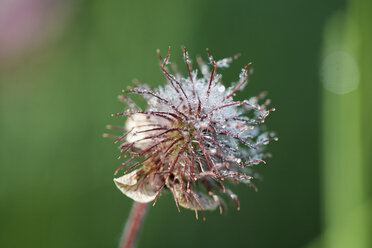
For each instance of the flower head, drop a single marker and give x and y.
(192, 138)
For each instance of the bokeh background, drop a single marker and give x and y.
(62, 64)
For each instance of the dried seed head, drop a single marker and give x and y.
(192, 138)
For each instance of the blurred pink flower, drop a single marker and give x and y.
(26, 24)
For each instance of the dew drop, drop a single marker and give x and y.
(221, 89)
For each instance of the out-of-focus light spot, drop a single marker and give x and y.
(340, 73)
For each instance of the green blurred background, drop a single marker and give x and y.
(62, 64)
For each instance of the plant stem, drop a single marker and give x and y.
(133, 225)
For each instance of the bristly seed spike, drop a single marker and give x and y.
(192, 139)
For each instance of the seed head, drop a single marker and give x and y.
(192, 138)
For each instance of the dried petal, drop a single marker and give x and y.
(129, 184)
(197, 201)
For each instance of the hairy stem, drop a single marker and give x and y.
(133, 225)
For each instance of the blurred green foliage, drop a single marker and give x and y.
(56, 170)
(346, 130)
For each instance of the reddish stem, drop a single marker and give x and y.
(133, 226)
